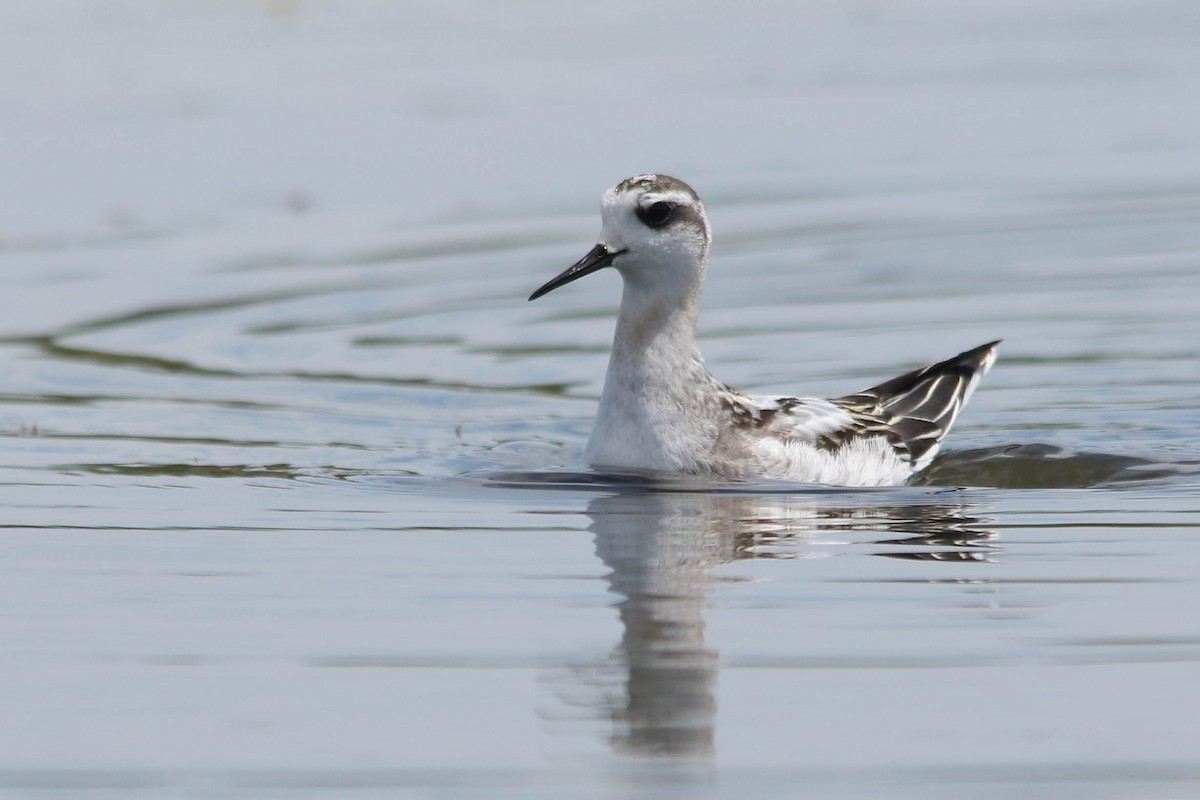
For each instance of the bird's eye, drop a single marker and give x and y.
(656, 214)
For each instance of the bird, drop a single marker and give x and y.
(661, 411)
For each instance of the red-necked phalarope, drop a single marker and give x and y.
(662, 411)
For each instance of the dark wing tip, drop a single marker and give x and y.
(920, 406)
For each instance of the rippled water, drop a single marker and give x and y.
(290, 497)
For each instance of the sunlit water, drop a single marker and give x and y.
(290, 490)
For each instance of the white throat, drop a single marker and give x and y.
(651, 413)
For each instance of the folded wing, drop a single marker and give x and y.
(916, 409)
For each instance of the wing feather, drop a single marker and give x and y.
(919, 407)
(908, 415)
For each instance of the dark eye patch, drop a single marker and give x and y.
(657, 214)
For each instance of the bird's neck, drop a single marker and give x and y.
(654, 408)
(655, 338)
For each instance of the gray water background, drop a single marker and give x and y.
(289, 495)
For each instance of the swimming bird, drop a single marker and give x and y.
(661, 410)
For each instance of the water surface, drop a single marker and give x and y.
(291, 498)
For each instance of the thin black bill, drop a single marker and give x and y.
(599, 258)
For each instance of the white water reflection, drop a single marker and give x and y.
(662, 547)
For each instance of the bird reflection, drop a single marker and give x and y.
(660, 548)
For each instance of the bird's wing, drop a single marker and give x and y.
(918, 407)
(912, 412)
(824, 424)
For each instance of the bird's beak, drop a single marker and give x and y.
(599, 258)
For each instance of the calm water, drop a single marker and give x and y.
(289, 491)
